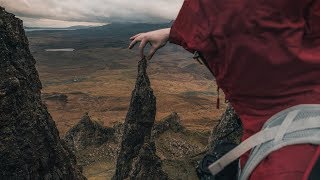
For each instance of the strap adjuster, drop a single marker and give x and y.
(197, 57)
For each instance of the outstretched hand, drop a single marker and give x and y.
(157, 39)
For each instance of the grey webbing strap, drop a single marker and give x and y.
(285, 125)
(263, 136)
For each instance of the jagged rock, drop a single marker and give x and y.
(30, 146)
(148, 165)
(138, 124)
(88, 133)
(171, 122)
(229, 129)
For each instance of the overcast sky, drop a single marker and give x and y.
(64, 13)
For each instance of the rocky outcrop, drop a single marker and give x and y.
(88, 133)
(171, 122)
(30, 146)
(229, 129)
(137, 128)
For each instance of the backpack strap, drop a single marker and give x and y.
(296, 125)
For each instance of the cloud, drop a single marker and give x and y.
(94, 11)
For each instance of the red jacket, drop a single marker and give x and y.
(265, 56)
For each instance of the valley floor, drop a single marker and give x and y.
(99, 80)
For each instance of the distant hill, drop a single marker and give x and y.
(111, 35)
(80, 27)
(56, 29)
(71, 27)
(120, 30)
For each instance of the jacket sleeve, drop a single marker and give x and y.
(192, 27)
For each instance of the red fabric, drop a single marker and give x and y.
(265, 56)
(311, 165)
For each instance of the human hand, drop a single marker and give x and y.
(157, 40)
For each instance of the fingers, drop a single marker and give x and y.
(133, 37)
(134, 42)
(151, 53)
(144, 41)
(142, 46)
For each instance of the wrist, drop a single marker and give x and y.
(167, 32)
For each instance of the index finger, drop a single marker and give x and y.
(134, 42)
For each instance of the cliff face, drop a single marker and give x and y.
(30, 146)
(137, 128)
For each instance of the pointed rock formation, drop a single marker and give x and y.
(229, 129)
(88, 133)
(138, 126)
(30, 146)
